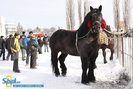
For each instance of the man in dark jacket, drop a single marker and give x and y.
(8, 47)
(23, 49)
(46, 40)
(32, 47)
(26, 40)
(2, 47)
(40, 43)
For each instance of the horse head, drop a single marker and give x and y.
(96, 20)
(92, 21)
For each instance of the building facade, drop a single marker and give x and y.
(2, 26)
(7, 28)
(11, 28)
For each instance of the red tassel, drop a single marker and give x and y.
(89, 24)
(103, 24)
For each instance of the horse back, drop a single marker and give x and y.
(64, 41)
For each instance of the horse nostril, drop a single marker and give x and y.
(93, 27)
(98, 27)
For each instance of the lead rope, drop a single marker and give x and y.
(76, 43)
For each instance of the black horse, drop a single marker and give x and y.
(84, 43)
(109, 46)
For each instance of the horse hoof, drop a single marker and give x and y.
(64, 75)
(57, 75)
(85, 83)
(105, 62)
(111, 59)
(93, 81)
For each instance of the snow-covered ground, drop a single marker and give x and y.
(107, 75)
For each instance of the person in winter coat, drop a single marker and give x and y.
(26, 40)
(40, 43)
(46, 40)
(15, 47)
(8, 47)
(23, 49)
(32, 47)
(2, 47)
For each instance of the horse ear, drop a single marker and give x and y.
(100, 8)
(91, 8)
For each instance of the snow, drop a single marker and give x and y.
(107, 75)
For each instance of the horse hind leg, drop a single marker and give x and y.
(104, 56)
(54, 62)
(112, 51)
(62, 64)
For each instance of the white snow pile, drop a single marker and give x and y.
(108, 76)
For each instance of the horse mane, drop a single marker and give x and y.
(83, 29)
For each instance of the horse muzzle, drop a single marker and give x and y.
(96, 27)
(95, 30)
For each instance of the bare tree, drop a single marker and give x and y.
(37, 30)
(116, 10)
(83, 7)
(127, 13)
(86, 7)
(19, 28)
(70, 14)
(80, 11)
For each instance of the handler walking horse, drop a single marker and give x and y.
(84, 43)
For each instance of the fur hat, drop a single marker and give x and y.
(16, 34)
(10, 35)
(30, 32)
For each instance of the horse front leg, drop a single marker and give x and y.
(84, 70)
(91, 76)
(62, 64)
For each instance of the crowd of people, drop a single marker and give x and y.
(29, 46)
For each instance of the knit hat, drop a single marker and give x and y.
(23, 32)
(10, 35)
(30, 32)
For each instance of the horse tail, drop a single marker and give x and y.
(52, 64)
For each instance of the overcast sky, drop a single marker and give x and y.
(45, 13)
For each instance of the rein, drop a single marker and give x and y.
(76, 43)
(116, 33)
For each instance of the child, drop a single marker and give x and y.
(32, 47)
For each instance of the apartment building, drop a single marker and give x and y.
(7, 28)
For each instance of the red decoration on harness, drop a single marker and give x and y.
(73, 30)
(103, 24)
(89, 24)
